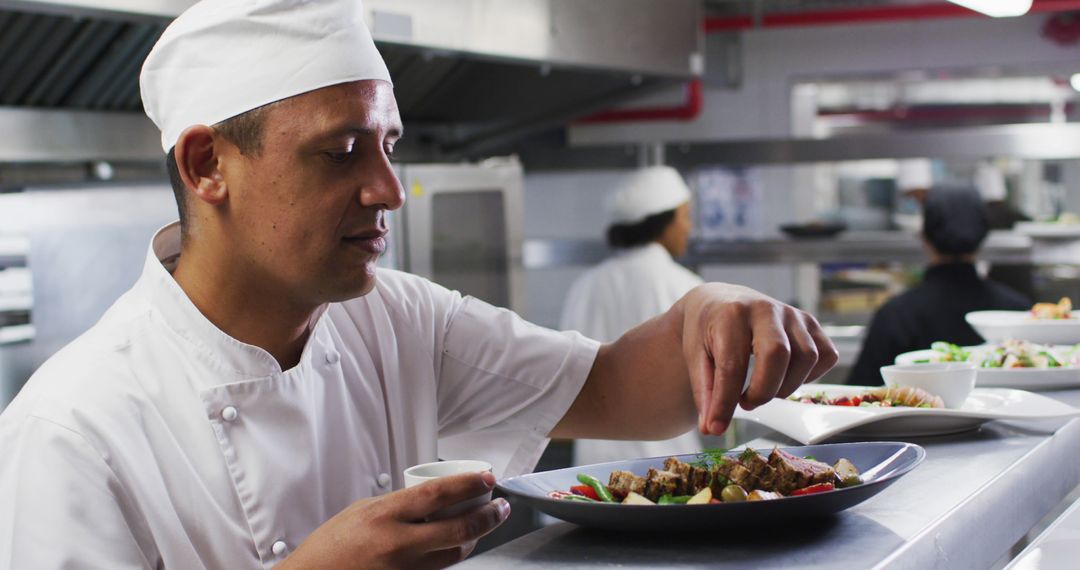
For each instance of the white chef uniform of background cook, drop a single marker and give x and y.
(622, 292)
(156, 440)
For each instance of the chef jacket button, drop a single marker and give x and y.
(332, 358)
(279, 548)
(383, 479)
(229, 413)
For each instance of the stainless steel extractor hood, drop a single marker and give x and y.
(472, 76)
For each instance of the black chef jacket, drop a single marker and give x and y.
(932, 311)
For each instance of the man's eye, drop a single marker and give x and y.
(337, 157)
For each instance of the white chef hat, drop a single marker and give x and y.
(648, 191)
(915, 174)
(990, 182)
(222, 58)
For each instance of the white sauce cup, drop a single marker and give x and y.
(953, 381)
(424, 472)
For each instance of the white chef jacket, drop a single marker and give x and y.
(622, 292)
(156, 440)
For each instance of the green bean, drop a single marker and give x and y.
(676, 500)
(600, 488)
(578, 498)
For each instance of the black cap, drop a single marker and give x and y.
(954, 220)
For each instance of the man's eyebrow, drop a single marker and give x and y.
(394, 132)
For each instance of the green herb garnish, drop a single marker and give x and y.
(709, 458)
(747, 454)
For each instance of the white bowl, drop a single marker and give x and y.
(953, 381)
(425, 472)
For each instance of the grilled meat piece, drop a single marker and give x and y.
(796, 472)
(721, 474)
(752, 471)
(683, 470)
(659, 483)
(700, 477)
(622, 483)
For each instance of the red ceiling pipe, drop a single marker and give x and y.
(688, 111)
(869, 15)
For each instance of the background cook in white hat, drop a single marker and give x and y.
(253, 400)
(649, 223)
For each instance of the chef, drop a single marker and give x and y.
(253, 399)
(649, 225)
(954, 226)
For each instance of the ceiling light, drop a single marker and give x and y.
(1075, 81)
(997, 8)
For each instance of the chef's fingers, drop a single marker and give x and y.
(462, 529)
(828, 356)
(772, 353)
(804, 352)
(728, 342)
(699, 364)
(419, 502)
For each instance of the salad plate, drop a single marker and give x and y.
(880, 464)
(1028, 378)
(1048, 230)
(998, 326)
(814, 423)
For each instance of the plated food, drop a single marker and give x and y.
(715, 477)
(810, 423)
(1015, 366)
(1009, 354)
(880, 464)
(883, 397)
(999, 326)
(1054, 229)
(1060, 310)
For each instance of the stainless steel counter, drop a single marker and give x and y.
(974, 496)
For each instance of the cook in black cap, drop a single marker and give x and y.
(954, 226)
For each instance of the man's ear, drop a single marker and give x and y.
(197, 159)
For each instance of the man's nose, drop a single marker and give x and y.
(383, 191)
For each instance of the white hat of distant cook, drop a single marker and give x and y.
(915, 174)
(990, 181)
(222, 58)
(647, 192)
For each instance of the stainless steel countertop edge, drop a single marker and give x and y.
(1040, 481)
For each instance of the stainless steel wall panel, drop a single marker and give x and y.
(32, 135)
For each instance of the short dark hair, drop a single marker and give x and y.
(954, 220)
(244, 130)
(648, 230)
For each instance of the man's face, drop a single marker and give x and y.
(307, 215)
(680, 229)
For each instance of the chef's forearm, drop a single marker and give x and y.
(638, 387)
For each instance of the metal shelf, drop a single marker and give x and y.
(853, 247)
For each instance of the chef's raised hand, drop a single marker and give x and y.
(390, 531)
(722, 326)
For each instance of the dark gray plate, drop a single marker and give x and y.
(881, 463)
